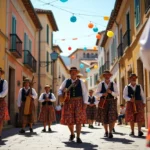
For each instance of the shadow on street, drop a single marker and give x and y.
(85, 146)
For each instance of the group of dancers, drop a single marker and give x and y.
(78, 106)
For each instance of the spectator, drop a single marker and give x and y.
(122, 114)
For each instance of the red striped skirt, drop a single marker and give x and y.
(91, 112)
(73, 112)
(4, 115)
(130, 116)
(26, 119)
(99, 114)
(47, 114)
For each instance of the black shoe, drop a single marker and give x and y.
(113, 130)
(79, 140)
(92, 127)
(131, 134)
(0, 138)
(22, 131)
(89, 126)
(140, 133)
(31, 130)
(83, 125)
(110, 135)
(71, 137)
(49, 130)
(44, 130)
(106, 134)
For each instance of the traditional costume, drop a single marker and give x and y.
(134, 110)
(107, 111)
(23, 93)
(4, 115)
(73, 111)
(91, 110)
(47, 113)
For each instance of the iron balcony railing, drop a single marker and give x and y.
(15, 46)
(29, 61)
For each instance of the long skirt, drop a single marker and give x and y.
(47, 114)
(73, 112)
(26, 119)
(99, 114)
(130, 116)
(4, 115)
(91, 112)
(109, 113)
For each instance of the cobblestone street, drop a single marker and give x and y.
(58, 140)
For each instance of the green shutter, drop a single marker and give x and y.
(13, 42)
(30, 45)
(137, 12)
(47, 37)
(47, 62)
(51, 40)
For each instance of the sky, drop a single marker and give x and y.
(94, 10)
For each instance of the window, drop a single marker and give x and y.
(90, 80)
(47, 69)
(96, 55)
(127, 36)
(13, 42)
(47, 35)
(137, 12)
(30, 45)
(88, 55)
(84, 56)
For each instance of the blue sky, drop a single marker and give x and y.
(79, 29)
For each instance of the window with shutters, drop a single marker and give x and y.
(137, 12)
(13, 42)
(47, 67)
(47, 34)
(30, 46)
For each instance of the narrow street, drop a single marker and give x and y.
(58, 140)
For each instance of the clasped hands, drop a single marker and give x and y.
(47, 99)
(108, 92)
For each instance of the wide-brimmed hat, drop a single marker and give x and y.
(133, 75)
(47, 86)
(26, 80)
(80, 75)
(2, 71)
(73, 69)
(91, 91)
(107, 72)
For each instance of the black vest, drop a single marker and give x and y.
(74, 91)
(24, 94)
(49, 102)
(1, 85)
(104, 90)
(91, 100)
(136, 93)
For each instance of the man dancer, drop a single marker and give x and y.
(91, 109)
(4, 116)
(74, 109)
(108, 91)
(23, 93)
(134, 95)
(47, 114)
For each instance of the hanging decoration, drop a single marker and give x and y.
(95, 29)
(90, 25)
(81, 66)
(110, 34)
(73, 19)
(95, 66)
(69, 48)
(85, 48)
(95, 48)
(88, 70)
(72, 57)
(63, 1)
(106, 18)
(98, 36)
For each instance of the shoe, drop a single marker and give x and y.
(83, 125)
(79, 140)
(31, 130)
(71, 137)
(106, 134)
(140, 133)
(131, 134)
(49, 130)
(92, 127)
(89, 126)
(98, 124)
(110, 135)
(119, 124)
(113, 130)
(22, 131)
(44, 130)
(0, 138)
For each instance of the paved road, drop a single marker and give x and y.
(58, 140)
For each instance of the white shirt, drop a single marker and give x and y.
(5, 89)
(58, 108)
(99, 88)
(91, 98)
(84, 90)
(53, 98)
(122, 111)
(125, 93)
(34, 95)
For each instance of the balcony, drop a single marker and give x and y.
(16, 46)
(29, 61)
(126, 39)
(147, 5)
(107, 65)
(120, 50)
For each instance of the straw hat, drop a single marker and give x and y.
(74, 69)
(133, 75)
(91, 91)
(47, 86)
(26, 80)
(107, 72)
